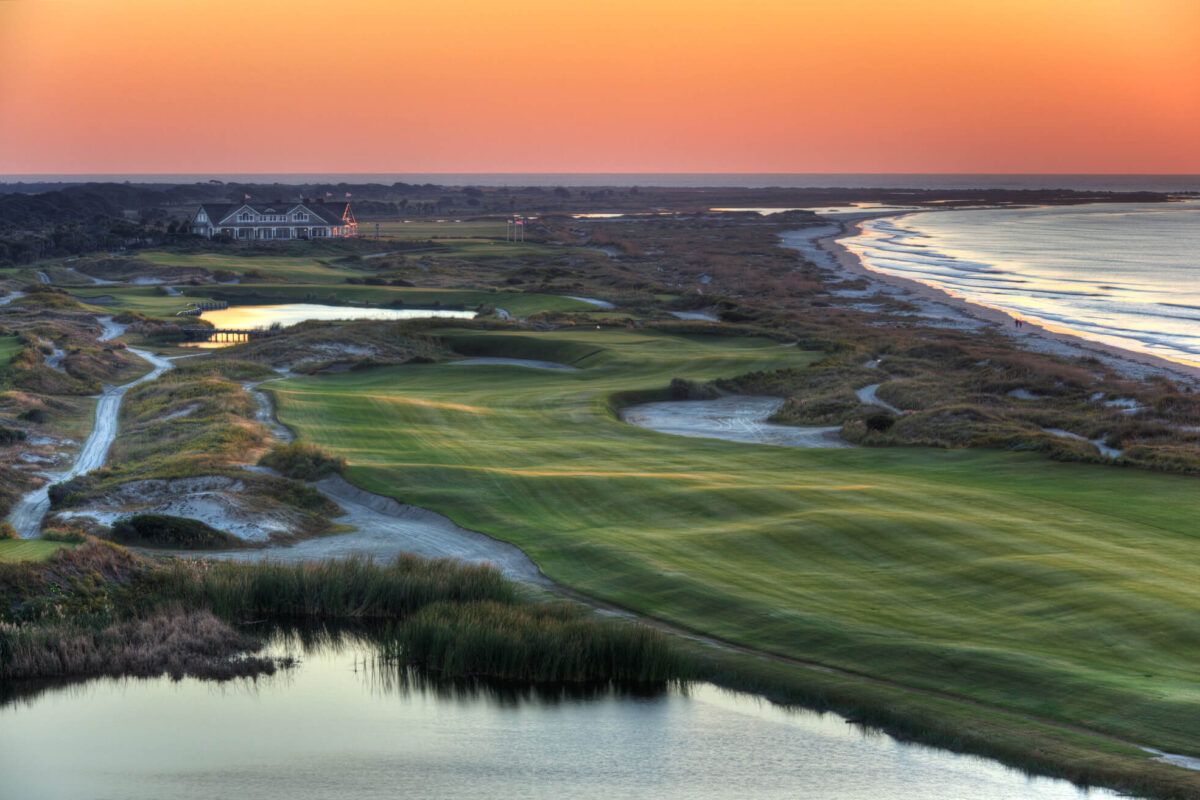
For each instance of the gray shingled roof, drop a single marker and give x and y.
(330, 213)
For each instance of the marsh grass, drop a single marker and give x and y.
(172, 643)
(98, 610)
(347, 589)
(555, 643)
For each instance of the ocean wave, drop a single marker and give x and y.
(1103, 272)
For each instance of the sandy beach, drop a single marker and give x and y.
(1030, 336)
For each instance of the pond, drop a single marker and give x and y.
(288, 314)
(341, 726)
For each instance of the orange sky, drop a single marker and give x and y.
(217, 86)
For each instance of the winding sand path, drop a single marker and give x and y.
(866, 395)
(27, 515)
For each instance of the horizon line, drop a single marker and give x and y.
(587, 172)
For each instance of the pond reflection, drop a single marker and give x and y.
(346, 723)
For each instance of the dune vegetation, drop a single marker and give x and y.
(1057, 589)
(302, 461)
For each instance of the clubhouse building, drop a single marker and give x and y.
(304, 220)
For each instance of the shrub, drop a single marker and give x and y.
(7, 531)
(35, 415)
(11, 435)
(880, 422)
(682, 389)
(67, 535)
(161, 530)
(304, 462)
(64, 493)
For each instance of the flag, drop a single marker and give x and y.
(347, 194)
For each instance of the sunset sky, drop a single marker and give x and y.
(175, 86)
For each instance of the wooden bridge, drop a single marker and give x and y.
(225, 334)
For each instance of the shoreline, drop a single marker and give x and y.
(1030, 336)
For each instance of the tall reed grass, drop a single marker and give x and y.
(180, 643)
(557, 643)
(353, 588)
(449, 619)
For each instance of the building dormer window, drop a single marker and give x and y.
(300, 216)
(244, 216)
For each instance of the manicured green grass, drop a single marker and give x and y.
(9, 347)
(495, 250)
(146, 300)
(14, 550)
(1063, 590)
(426, 229)
(291, 268)
(328, 268)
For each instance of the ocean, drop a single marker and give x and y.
(1126, 275)
(1096, 183)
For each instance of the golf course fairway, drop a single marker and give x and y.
(1062, 590)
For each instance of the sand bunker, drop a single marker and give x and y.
(696, 316)
(735, 419)
(214, 500)
(386, 529)
(1105, 450)
(592, 301)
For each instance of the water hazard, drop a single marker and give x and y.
(287, 314)
(342, 726)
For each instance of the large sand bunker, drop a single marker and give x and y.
(735, 419)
